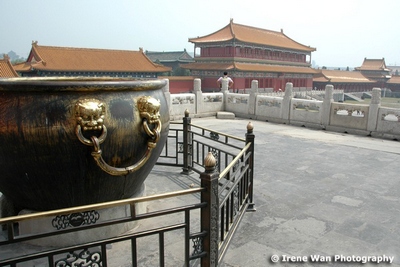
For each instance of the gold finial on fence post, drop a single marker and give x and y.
(210, 162)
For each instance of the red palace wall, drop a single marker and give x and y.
(180, 84)
(184, 84)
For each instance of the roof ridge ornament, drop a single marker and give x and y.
(231, 27)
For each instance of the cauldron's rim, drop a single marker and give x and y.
(79, 84)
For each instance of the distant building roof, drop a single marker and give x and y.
(253, 35)
(373, 64)
(375, 69)
(340, 76)
(52, 58)
(174, 56)
(6, 68)
(394, 80)
(249, 67)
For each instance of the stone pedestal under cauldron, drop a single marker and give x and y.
(67, 142)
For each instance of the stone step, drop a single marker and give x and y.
(225, 115)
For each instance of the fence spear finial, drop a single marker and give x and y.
(209, 162)
(250, 127)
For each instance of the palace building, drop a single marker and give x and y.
(68, 61)
(376, 70)
(249, 53)
(349, 81)
(172, 59)
(372, 73)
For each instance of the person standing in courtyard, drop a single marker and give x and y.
(230, 81)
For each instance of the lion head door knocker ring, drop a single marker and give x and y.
(90, 114)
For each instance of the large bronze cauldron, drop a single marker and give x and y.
(74, 141)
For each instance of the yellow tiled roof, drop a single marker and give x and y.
(394, 79)
(274, 68)
(85, 59)
(6, 69)
(249, 67)
(373, 64)
(253, 35)
(340, 76)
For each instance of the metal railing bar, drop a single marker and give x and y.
(106, 223)
(148, 215)
(222, 222)
(234, 184)
(169, 164)
(232, 207)
(103, 253)
(219, 149)
(168, 157)
(228, 206)
(50, 261)
(175, 122)
(161, 248)
(99, 205)
(121, 238)
(220, 133)
(222, 144)
(233, 162)
(225, 184)
(187, 237)
(134, 251)
(223, 246)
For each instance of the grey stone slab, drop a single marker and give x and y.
(365, 231)
(251, 254)
(225, 115)
(332, 213)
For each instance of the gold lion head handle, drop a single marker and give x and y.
(149, 110)
(90, 114)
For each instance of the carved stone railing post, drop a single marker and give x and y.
(210, 213)
(250, 139)
(287, 98)
(167, 94)
(374, 109)
(253, 96)
(199, 95)
(187, 144)
(326, 106)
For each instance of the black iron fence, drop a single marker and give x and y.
(204, 228)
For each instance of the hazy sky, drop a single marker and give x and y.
(343, 31)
